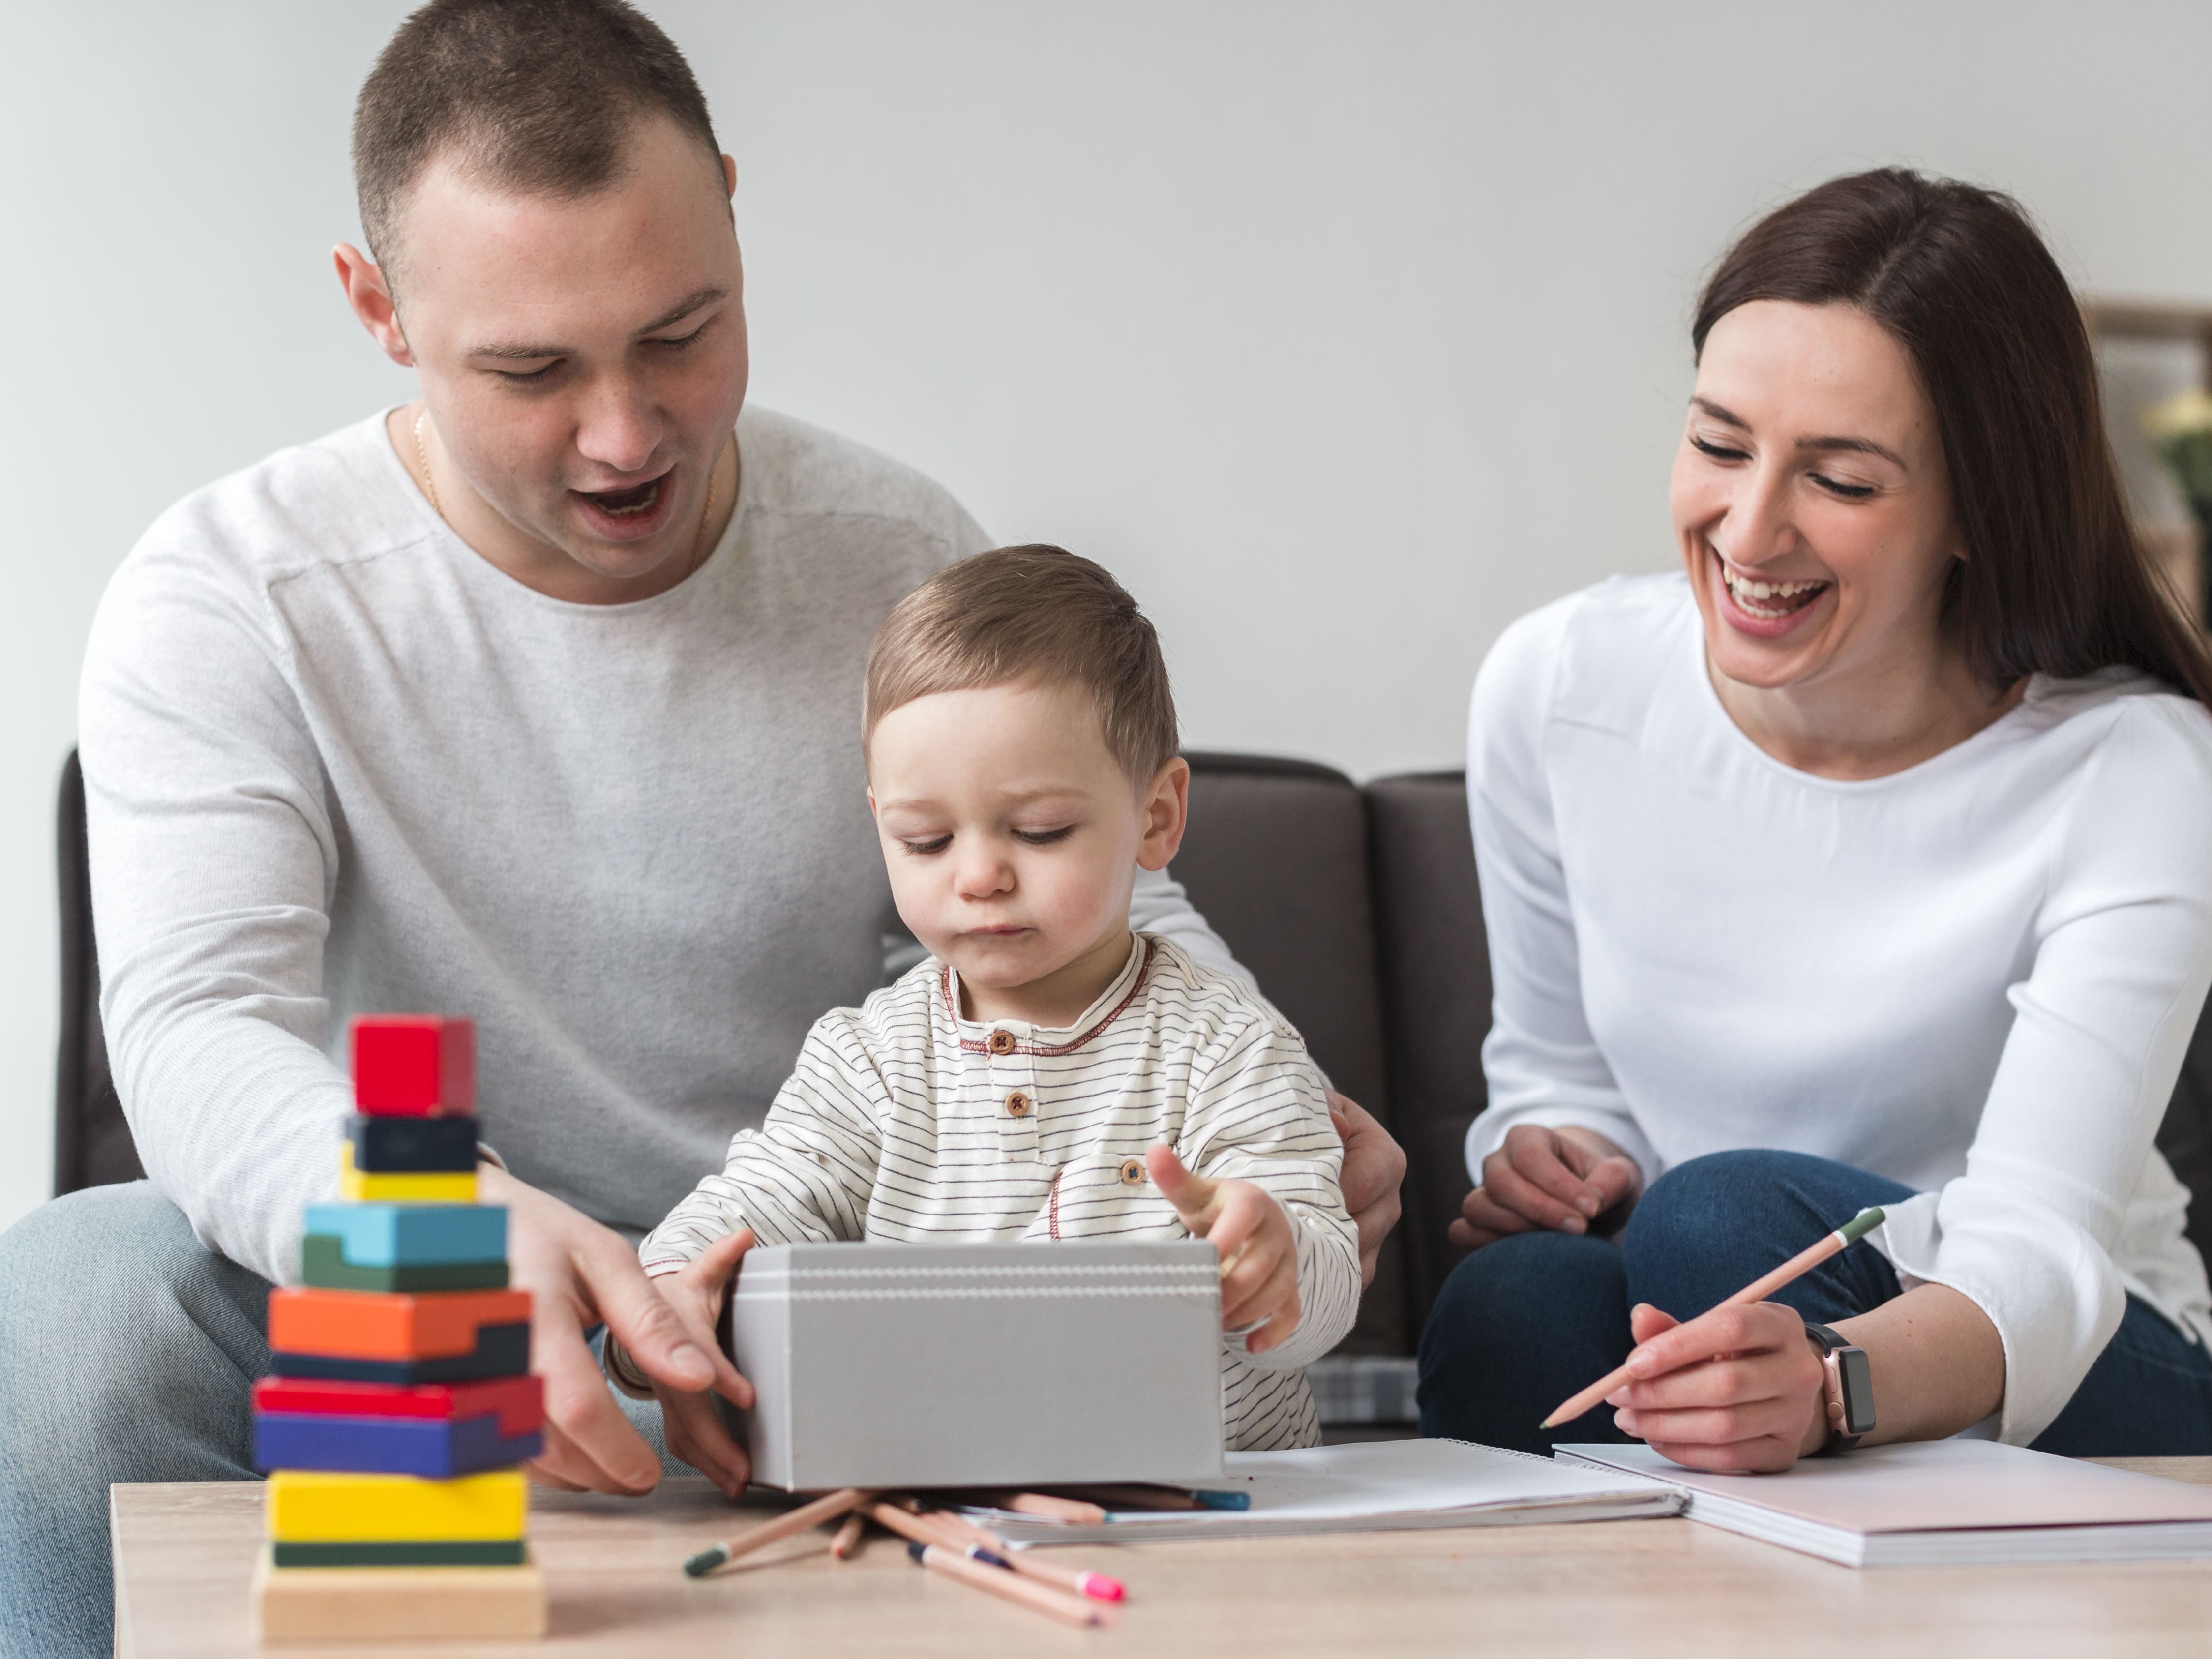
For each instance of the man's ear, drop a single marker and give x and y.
(1167, 812)
(370, 297)
(730, 175)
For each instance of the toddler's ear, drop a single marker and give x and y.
(871, 801)
(1166, 808)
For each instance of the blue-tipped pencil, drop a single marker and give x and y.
(1799, 1265)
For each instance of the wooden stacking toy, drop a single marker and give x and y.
(402, 1407)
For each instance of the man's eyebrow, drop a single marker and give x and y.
(1846, 446)
(676, 314)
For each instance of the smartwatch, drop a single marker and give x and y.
(1848, 1390)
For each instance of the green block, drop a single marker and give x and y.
(323, 1266)
(496, 1553)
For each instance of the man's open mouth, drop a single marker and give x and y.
(627, 503)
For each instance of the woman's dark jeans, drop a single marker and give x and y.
(1525, 1322)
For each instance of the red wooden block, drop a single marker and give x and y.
(414, 1065)
(520, 1402)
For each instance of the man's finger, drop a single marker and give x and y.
(650, 1329)
(589, 1441)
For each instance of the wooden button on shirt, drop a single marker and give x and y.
(1002, 1043)
(1017, 1104)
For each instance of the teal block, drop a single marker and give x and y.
(413, 1235)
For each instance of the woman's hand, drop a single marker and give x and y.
(1562, 1179)
(1374, 1165)
(1738, 1390)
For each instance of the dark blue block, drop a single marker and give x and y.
(412, 1146)
(500, 1351)
(435, 1448)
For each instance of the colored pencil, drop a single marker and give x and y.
(1010, 1586)
(1048, 1508)
(791, 1521)
(846, 1543)
(1758, 1290)
(956, 1531)
(1146, 1495)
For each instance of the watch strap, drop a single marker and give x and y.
(1835, 1404)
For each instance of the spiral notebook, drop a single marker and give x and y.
(1938, 1503)
(1379, 1485)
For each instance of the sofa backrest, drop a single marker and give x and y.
(1357, 909)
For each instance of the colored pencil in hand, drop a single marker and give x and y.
(1799, 1265)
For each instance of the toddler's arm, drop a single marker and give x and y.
(803, 1176)
(1258, 1112)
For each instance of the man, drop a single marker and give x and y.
(534, 700)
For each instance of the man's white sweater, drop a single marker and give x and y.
(336, 762)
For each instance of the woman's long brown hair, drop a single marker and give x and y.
(2054, 581)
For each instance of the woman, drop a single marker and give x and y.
(1880, 841)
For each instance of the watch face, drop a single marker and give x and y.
(1858, 1390)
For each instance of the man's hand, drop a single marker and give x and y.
(1374, 1165)
(579, 1274)
(1737, 1390)
(695, 1433)
(1562, 1179)
(1259, 1257)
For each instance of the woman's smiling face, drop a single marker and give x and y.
(1810, 499)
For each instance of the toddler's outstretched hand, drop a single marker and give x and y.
(694, 1432)
(1259, 1255)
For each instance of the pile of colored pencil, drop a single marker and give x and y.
(949, 1544)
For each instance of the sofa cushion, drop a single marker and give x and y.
(1276, 860)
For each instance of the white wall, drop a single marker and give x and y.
(1344, 332)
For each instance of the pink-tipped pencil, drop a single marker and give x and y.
(1799, 1265)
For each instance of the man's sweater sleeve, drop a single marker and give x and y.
(1258, 1114)
(213, 861)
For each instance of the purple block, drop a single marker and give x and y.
(435, 1448)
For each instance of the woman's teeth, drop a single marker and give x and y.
(1794, 596)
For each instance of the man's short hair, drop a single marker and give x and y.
(1032, 615)
(535, 96)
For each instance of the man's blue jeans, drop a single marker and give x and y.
(1525, 1322)
(127, 1352)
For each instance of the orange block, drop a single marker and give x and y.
(385, 1325)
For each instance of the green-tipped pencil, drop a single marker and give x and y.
(784, 1525)
(1842, 1239)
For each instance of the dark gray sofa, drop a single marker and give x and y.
(1355, 905)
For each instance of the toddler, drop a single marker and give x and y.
(1046, 1074)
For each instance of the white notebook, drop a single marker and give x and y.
(1938, 1503)
(1375, 1486)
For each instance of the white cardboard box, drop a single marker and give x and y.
(980, 1364)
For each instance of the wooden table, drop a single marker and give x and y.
(184, 1555)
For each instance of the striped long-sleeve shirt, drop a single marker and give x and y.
(905, 1122)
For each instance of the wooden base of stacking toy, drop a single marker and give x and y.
(396, 1604)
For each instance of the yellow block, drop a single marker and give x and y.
(396, 1604)
(443, 1186)
(311, 1506)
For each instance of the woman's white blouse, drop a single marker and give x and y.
(1976, 977)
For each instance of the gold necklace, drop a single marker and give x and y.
(698, 542)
